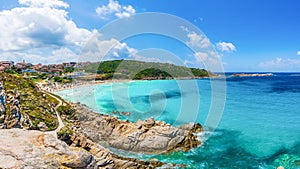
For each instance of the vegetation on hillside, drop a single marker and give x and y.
(152, 73)
(129, 69)
(40, 76)
(38, 106)
(67, 112)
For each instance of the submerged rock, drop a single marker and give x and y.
(126, 113)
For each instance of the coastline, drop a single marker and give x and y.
(59, 87)
(149, 136)
(80, 139)
(83, 83)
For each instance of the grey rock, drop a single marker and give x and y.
(42, 126)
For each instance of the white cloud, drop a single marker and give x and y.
(40, 31)
(39, 24)
(298, 53)
(226, 47)
(197, 40)
(127, 12)
(56, 56)
(204, 55)
(113, 7)
(281, 64)
(97, 50)
(201, 56)
(44, 3)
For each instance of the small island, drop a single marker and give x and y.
(252, 74)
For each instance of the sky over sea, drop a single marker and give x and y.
(248, 35)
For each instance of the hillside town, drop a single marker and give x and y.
(47, 77)
(24, 67)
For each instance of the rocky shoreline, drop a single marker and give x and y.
(148, 136)
(35, 149)
(81, 143)
(83, 146)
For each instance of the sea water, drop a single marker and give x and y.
(259, 127)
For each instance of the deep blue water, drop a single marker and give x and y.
(259, 127)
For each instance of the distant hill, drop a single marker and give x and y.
(130, 69)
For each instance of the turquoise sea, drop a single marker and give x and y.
(259, 128)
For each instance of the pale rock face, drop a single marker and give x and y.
(21, 148)
(35, 149)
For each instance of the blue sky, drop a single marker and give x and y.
(248, 35)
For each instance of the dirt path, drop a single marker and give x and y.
(60, 122)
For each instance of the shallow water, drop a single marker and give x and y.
(260, 125)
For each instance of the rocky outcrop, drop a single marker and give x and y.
(2, 103)
(35, 149)
(13, 117)
(149, 136)
(103, 157)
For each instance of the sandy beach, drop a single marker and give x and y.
(54, 87)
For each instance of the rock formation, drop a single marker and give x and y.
(14, 118)
(103, 157)
(2, 103)
(149, 136)
(35, 149)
